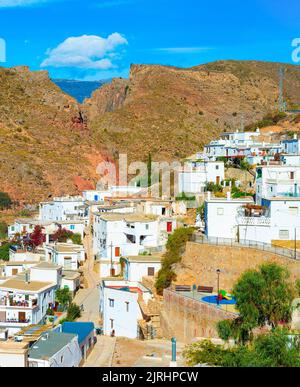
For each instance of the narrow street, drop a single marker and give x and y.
(89, 297)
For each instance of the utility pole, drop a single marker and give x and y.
(111, 260)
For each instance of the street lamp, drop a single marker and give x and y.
(218, 274)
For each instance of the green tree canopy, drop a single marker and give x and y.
(263, 297)
(63, 296)
(274, 349)
(175, 248)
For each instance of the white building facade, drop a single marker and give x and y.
(120, 309)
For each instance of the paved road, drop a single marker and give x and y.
(89, 297)
(102, 353)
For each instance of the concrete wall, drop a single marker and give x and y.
(187, 319)
(200, 262)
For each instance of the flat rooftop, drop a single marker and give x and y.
(49, 344)
(66, 247)
(145, 258)
(19, 284)
(125, 286)
(47, 266)
(130, 218)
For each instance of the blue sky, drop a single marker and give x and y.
(98, 39)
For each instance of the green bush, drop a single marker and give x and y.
(274, 349)
(73, 312)
(63, 297)
(175, 248)
(50, 312)
(5, 201)
(212, 187)
(4, 251)
(76, 239)
(184, 197)
(3, 230)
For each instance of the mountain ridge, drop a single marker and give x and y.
(51, 145)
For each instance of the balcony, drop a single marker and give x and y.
(254, 221)
(283, 181)
(13, 321)
(11, 303)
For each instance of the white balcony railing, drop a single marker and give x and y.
(254, 221)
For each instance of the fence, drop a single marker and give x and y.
(215, 241)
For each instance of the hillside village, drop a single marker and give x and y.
(87, 276)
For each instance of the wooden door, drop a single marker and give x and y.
(22, 316)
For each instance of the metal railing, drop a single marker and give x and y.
(216, 241)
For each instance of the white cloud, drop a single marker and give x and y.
(88, 52)
(19, 3)
(183, 50)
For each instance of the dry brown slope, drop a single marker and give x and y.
(172, 112)
(43, 142)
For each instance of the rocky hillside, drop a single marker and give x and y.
(173, 112)
(44, 143)
(51, 145)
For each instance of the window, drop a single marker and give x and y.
(151, 271)
(61, 359)
(127, 306)
(147, 226)
(220, 211)
(111, 302)
(217, 167)
(111, 323)
(292, 175)
(117, 251)
(284, 234)
(72, 227)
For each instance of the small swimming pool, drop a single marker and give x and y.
(213, 300)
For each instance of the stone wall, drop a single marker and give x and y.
(187, 319)
(200, 262)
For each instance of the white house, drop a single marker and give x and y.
(277, 180)
(117, 235)
(24, 226)
(290, 159)
(24, 302)
(96, 195)
(62, 208)
(18, 254)
(47, 271)
(75, 226)
(195, 175)
(10, 269)
(291, 146)
(241, 145)
(13, 355)
(71, 280)
(137, 267)
(120, 307)
(55, 349)
(277, 220)
(221, 216)
(67, 255)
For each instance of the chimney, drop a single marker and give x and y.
(228, 195)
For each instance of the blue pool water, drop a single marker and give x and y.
(213, 300)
